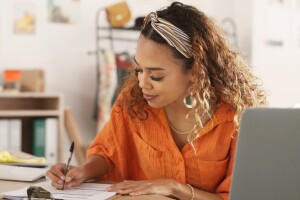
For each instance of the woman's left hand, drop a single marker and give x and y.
(163, 187)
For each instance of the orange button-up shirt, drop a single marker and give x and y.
(136, 150)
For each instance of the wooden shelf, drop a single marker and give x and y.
(28, 106)
(28, 95)
(30, 113)
(29, 102)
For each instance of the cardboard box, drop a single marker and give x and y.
(32, 80)
(11, 80)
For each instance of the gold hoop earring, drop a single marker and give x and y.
(189, 101)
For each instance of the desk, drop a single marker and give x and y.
(6, 186)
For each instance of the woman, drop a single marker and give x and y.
(173, 128)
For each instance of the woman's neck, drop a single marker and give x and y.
(176, 116)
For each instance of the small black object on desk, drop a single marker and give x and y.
(35, 192)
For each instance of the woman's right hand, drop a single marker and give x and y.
(74, 177)
(94, 167)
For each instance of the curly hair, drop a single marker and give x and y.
(221, 72)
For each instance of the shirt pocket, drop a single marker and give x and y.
(150, 159)
(212, 173)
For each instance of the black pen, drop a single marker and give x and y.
(69, 160)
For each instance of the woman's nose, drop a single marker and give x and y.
(144, 82)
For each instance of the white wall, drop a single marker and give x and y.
(243, 17)
(277, 66)
(1, 8)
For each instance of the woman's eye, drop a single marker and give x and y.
(137, 71)
(156, 79)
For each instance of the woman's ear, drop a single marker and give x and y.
(192, 76)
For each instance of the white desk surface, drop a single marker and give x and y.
(6, 186)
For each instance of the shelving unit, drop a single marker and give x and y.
(30, 106)
(105, 36)
(116, 38)
(111, 38)
(99, 37)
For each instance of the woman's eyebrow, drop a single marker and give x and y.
(149, 68)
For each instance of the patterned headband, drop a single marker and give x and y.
(173, 35)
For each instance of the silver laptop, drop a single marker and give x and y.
(267, 163)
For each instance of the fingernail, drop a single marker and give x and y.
(68, 179)
(62, 178)
(132, 194)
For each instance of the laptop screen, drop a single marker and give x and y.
(267, 162)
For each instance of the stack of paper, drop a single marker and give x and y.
(88, 191)
(14, 157)
(16, 173)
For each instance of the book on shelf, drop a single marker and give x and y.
(4, 134)
(15, 134)
(11, 134)
(51, 140)
(39, 133)
(45, 133)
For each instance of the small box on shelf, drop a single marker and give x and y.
(11, 80)
(32, 80)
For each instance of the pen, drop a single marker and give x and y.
(69, 160)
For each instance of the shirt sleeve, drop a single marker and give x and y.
(110, 143)
(224, 188)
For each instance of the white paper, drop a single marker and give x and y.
(16, 173)
(89, 191)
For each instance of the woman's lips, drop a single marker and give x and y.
(149, 97)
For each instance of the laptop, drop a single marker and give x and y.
(267, 162)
